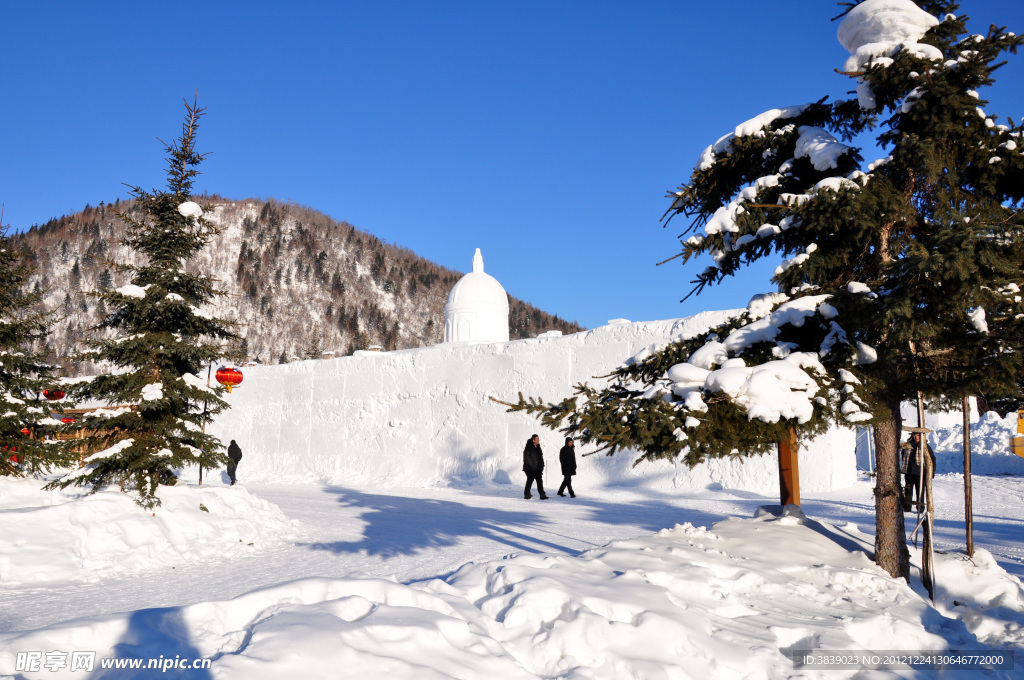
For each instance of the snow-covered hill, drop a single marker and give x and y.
(299, 283)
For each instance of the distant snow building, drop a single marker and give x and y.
(477, 308)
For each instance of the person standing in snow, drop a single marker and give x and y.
(912, 464)
(235, 454)
(567, 458)
(533, 466)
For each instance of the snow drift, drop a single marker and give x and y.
(60, 536)
(686, 602)
(990, 446)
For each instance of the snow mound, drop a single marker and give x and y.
(990, 447)
(754, 126)
(190, 209)
(820, 147)
(48, 537)
(686, 602)
(877, 28)
(131, 290)
(988, 604)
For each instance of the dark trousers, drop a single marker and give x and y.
(231, 473)
(566, 484)
(912, 490)
(530, 478)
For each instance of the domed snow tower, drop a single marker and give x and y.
(477, 308)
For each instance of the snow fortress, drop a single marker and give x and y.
(423, 417)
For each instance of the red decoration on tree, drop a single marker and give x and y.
(25, 431)
(229, 377)
(67, 419)
(53, 395)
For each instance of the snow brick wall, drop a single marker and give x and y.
(423, 417)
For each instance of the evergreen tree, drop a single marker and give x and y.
(163, 342)
(238, 351)
(24, 374)
(314, 347)
(903, 276)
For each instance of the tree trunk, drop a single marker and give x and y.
(891, 552)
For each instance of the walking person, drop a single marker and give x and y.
(235, 454)
(533, 466)
(567, 458)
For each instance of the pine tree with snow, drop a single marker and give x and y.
(902, 276)
(24, 374)
(163, 343)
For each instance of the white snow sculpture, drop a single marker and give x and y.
(477, 308)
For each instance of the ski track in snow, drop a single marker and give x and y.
(416, 534)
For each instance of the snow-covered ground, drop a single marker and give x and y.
(380, 529)
(450, 582)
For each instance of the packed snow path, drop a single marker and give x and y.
(417, 534)
(407, 534)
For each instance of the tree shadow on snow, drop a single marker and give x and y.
(659, 510)
(159, 634)
(399, 525)
(994, 536)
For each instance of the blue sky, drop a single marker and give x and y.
(545, 133)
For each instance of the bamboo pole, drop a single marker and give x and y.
(925, 491)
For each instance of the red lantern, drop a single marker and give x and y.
(25, 431)
(67, 419)
(53, 395)
(229, 377)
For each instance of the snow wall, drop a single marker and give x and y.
(423, 417)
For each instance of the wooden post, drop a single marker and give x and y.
(789, 471)
(968, 509)
(927, 546)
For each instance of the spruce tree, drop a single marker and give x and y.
(163, 342)
(901, 276)
(24, 374)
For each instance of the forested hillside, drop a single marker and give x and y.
(300, 284)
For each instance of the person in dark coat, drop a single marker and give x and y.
(533, 466)
(567, 458)
(235, 454)
(911, 466)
